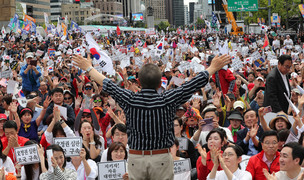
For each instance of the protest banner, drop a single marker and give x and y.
(111, 170)
(27, 154)
(70, 145)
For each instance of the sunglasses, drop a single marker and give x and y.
(86, 116)
(97, 100)
(88, 88)
(67, 98)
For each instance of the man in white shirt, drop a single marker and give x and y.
(119, 134)
(288, 42)
(291, 158)
(200, 135)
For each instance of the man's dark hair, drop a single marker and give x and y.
(256, 114)
(149, 76)
(59, 90)
(250, 73)
(269, 133)
(297, 151)
(8, 99)
(283, 134)
(120, 127)
(284, 58)
(10, 124)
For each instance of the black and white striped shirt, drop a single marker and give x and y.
(149, 114)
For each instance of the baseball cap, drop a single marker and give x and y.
(181, 108)
(239, 104)
(260, 78)
(296, 90)
(88, 84)
(209, 107)
(3, 116)
(231, 96)
(86, 111)
(29, 55)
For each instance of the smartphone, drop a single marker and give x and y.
(208, 120)
(267, 109)
(78, 79)
(33, 62)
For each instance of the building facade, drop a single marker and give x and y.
(191, 12)
(56, 6)
(78, 12)
(159, 8)
(178, 12)
(186, 15)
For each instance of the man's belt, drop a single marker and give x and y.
(149, 152)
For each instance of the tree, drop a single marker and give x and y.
(285, 8)
(200, 23)
(139, 24)
(163, 25)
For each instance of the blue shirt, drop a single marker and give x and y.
(30, 81)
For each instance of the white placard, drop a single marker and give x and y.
(177, 81)
(182, 166)
(244, 162)
(11, 85)
(27, 154)
(256, 55)
(63, 111)
(6, 74)
(39, 53)
(70, 145)
(111, 170)
(297, 111)
(273, 62)
(49, 154)
(207, 87)
(183, 143)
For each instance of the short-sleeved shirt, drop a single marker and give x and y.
(11, 153)
(31, 132)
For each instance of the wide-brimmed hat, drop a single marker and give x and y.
(281, 115)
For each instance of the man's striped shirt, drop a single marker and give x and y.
(149, 114)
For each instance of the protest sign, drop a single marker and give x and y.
(27, 154)
(183, 143)
(182, 166)
(6, 74)
(70, 145)
(111, 170)
(63, 111)
(51, 52)
(257, 58)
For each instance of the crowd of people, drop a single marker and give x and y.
(231, 105)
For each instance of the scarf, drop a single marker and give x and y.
(234, 130)
(26, 126)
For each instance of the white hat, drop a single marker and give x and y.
(237, 104)
(260, 78)
(29, 55)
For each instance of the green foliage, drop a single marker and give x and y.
(140, 24)
(200, 23)
(163, 26)
(277, 6)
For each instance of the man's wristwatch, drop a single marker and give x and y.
(89, 69)
(61, 121)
